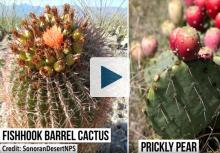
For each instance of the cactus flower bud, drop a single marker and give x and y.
(59, 66)
(71, 59)
(77, 35)
(22, 56)
(66, 50)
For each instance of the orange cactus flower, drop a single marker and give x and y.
(53, 37)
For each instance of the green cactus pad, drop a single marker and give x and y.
(158, 64)
(184, 99)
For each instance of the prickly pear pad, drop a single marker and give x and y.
(159, 64)
(184, 99)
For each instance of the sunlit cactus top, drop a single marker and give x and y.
(50, 43)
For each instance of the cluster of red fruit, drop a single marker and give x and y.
(185, 41)
(199, 11)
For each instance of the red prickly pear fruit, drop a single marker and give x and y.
(136, 51)
(195, 17)
(205, 53)
(213, 7)
(175, 10)
(149, 45)
(189, 2)
(187, 43)
(200, 3)
(217, 20)
(167, 27)
(212, 38)
(172, 38)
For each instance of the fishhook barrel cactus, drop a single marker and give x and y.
(50, 79)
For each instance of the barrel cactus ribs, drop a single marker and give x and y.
(50, 79)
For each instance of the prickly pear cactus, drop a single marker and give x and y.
(50, 79)
(184, 98)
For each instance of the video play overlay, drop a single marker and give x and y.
(168, 146)
(109, 77)
(45, 140)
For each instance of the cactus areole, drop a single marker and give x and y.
(43, 44)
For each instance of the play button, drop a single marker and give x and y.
(109, 77)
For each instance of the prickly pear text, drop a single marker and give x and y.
(168, 146)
